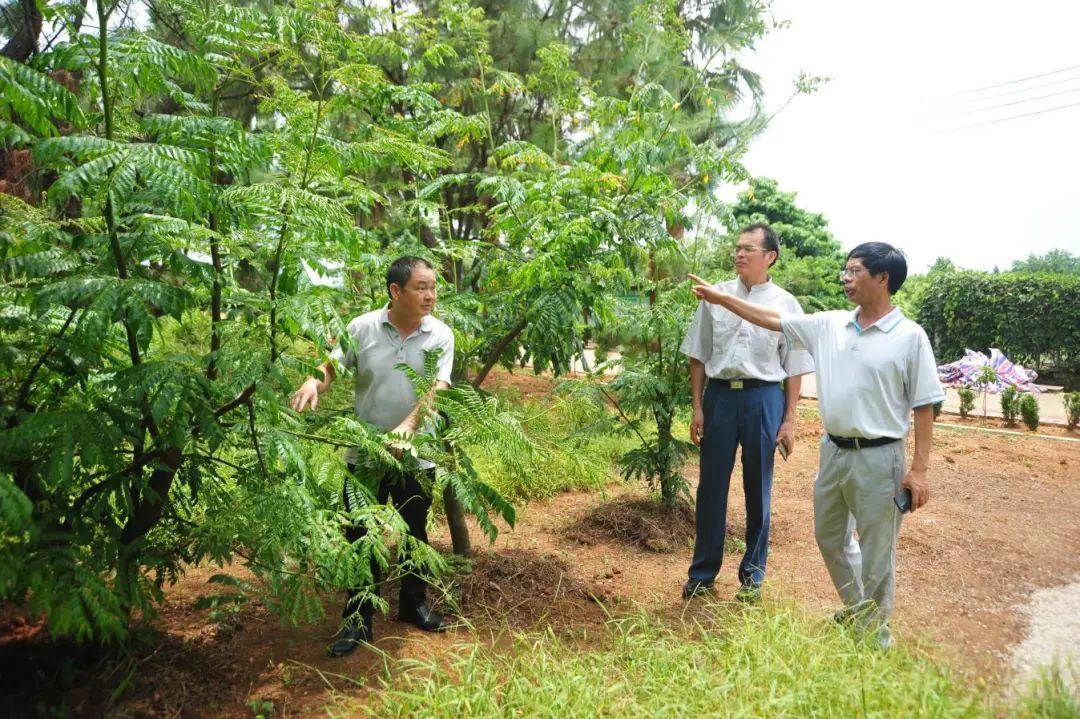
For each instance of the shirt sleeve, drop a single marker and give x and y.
(795, 361)
(923, 386)
(444, 369)
(699, 339)
(802, 331)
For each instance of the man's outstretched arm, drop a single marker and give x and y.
(755, 314)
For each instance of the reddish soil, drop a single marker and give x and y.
(1001, 524)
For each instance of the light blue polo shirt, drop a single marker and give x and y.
(868, 378)
(384, 395)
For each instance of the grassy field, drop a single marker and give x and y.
(772, 661)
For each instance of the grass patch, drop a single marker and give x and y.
(773, 662)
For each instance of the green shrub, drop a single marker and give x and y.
(967, 400)
(576, 448)
(1032, 318)
(1010, 404)
(1072, 409)
(938, 406)
(1029, 411)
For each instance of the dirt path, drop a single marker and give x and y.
(1002, 525)
(1054, 616)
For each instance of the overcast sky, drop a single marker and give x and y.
(868, 150)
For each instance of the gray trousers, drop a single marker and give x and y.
(853, 493)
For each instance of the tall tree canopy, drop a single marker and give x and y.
(183, 183)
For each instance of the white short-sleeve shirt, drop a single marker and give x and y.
(732, 348)
(384, 396)
(868, 378)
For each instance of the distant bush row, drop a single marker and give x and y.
(1033, 318)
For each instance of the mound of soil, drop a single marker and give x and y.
(41, 676)
(641, 523)
(527, 589)
(637, 521)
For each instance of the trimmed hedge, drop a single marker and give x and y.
(1033, 318)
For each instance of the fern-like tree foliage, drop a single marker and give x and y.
(194, 178)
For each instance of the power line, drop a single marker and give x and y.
(1006, 119)
(1013, 82)
(1023, 89)
(1006, 104)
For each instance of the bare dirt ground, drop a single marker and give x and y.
(1002, 524)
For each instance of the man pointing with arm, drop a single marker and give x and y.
(874, 366)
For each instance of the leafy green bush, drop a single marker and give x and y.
(1072, 409)
(1010, 404)
(1029, 411)
(1033, 318)
(938, 406)
(576, 447)
(196, 170)
(984, 379)
(652, 387)
(967, 400)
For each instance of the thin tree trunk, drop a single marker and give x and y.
(496, 353)
(455, 519)
(24, 38)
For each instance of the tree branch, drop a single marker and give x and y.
(497, 352)
(27, 386)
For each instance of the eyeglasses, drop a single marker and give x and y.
(845, 273)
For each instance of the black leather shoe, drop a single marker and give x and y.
(696, 587)
(423, 616)
(349, 638)
(749, 594)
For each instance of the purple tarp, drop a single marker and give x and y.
(964, 372)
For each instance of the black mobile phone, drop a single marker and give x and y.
(903, 500)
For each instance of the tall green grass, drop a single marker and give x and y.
(761, 662)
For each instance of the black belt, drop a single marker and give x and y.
(741, 383)
(860, 442)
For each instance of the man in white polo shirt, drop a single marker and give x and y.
(874, 366)
(399, 333)
(741, 404)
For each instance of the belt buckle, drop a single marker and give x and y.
(856, 441)
(736, 384)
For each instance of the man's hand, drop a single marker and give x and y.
(915, 480)
(786, 436)
(307, 395)
(697, 426)
(704, 291)
(402, 429)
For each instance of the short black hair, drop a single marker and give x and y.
(770, 242)
(878, 257)
(401, 270)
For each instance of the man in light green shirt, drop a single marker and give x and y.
(402, 332)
